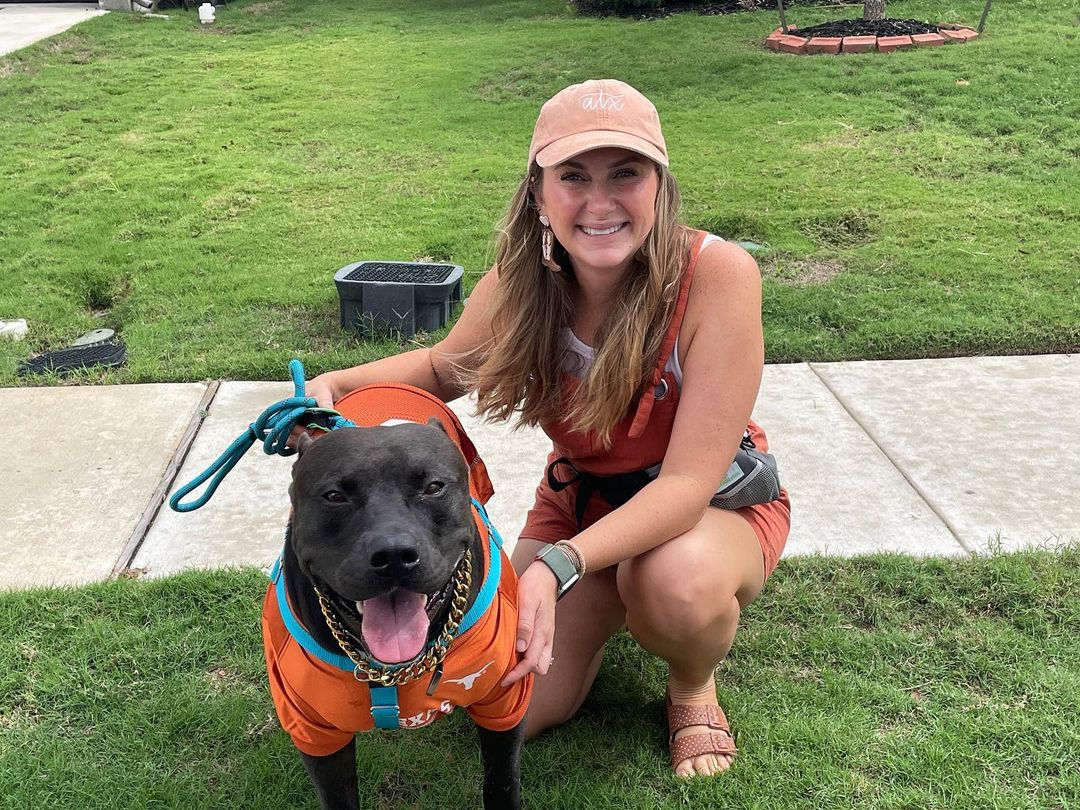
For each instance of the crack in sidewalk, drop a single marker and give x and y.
(165, 483)
(911, 482)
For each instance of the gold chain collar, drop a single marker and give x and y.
(422, 663)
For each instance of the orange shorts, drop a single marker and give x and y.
(552, 519)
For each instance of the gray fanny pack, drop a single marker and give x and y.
(751, 479)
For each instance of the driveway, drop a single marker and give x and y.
(23, 24)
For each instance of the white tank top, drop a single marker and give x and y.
(580, 355)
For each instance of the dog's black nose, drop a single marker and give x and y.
(395, 559)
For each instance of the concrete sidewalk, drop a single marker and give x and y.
(927, 457)
(23, 24)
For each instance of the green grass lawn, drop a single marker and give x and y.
(881, 682)
(196, 188)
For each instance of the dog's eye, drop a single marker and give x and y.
(333, 496)
(434, 488)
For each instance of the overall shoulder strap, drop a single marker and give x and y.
(641, 417)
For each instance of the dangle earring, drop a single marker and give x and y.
(547, 246)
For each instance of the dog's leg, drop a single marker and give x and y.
(501, 753)
(334, 777)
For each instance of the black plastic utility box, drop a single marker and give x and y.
(397, 297)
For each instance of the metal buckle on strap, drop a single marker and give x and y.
(661, 389)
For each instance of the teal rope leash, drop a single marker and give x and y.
(272, 428)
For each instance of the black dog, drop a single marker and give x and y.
(381, 524)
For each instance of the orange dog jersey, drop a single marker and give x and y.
(321, 704)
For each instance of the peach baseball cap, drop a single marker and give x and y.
(592, 115)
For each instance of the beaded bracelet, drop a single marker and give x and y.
(576, 557)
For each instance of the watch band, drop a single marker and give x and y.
(560, 564)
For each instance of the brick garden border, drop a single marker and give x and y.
(778, 40)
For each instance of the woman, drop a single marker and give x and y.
(632, 340)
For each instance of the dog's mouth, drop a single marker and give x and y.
(395, 626)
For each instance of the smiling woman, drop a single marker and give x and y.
(636, 343)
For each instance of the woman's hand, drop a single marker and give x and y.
(322, 389)
(537, 589)
(324, 393)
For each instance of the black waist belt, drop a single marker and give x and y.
(615, 489)
(751, 479)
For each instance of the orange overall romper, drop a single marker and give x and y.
(319, 701)
(639, 441)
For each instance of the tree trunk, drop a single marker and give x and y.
(873, 10)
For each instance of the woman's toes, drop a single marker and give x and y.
(707, 765)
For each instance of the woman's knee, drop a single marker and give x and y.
(676, 589)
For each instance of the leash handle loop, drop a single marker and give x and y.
(272, 428)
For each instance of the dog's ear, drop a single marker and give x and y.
(435, 422)
(303, 443)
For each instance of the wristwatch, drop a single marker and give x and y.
(565, 571)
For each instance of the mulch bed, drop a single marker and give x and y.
(866, 28)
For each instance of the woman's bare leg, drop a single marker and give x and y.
(584, 620)
(683, 600)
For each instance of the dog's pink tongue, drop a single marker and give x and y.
(395, 625)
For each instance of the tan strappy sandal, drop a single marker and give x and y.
(681, 715)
